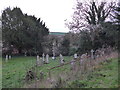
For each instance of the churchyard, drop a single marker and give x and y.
(100, 72)
(35, 55)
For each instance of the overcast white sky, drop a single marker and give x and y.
(52, 12)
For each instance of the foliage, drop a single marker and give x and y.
(90, 21)
(85, 42)
(116, 21)
(72, 51)
(65, 45)
(22, 31)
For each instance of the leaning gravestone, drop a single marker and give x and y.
(47, 58)
(61, 59)
(6, 58)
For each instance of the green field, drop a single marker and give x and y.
(13, 73)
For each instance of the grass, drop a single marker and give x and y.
(14, 70)
(0, 73)
(103, 77)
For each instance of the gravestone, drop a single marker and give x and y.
(53, 58)
(75, 56)
(38, 60)
(6, 58)
(72, 64)
(47, 58)
(9, 56)
(43, 57)
(41, 62)
(61, 59)
(25, 53)
(92, 56)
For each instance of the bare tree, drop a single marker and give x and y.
(89, 16)
(91, 13)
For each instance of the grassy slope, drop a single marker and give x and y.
(103, 77)
(14, 70)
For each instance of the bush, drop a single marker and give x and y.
(72, 51)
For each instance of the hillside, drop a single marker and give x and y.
(57, 33)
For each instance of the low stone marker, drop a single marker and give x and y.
(53, 58)
(75, 56)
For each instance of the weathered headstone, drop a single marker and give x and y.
(92, 56)
(61, 59)
(83, 57)
(41, 62)
(47, 58)
(9, 56)
(38, 60)
(6, 58)
(75, 56)
(43, 57)
(72, 64)
(53, 58)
